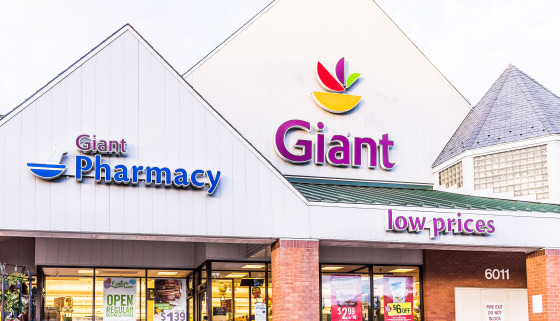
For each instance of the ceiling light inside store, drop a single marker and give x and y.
(401, 270)
(168, 273)
(236, 275)
(331, 268)
(250, 266)
(85, 271)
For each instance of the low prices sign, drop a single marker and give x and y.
(346, 297)
(494, 312)
(398, 298)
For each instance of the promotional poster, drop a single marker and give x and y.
(346, 297)
(398, 298)
(170, 302)
(119, 299)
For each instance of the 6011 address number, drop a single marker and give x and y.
(496, 274)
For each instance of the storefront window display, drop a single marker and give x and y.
(86, 294)
(239, 291)
(370, 293)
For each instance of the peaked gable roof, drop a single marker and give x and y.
(515, 108)
(265, 74)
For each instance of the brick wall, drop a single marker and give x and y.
(295, 280)
(543, 278)
(445, 270)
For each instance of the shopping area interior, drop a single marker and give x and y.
(238, 291)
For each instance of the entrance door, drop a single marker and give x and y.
(486, 304)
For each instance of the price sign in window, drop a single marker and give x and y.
(170, 302)
(346, 301)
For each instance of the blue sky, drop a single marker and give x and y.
(470, 41)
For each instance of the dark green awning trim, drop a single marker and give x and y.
(351, 193)
(356, 183)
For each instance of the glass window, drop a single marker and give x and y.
(167, 298)
(521, 171)
(79, 294)
(396, 291)
(345, 292)
(238, 291)
(68, 294)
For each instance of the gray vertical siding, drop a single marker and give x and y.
(366, 255)
(114, 253)
(19, 251)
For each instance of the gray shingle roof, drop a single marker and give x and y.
(516, 107)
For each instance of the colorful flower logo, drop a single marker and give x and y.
(334, 100)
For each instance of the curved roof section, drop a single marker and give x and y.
(516, 107)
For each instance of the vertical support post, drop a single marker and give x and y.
(209, 290)
(3, 271)
(295, 278)
(266, 288)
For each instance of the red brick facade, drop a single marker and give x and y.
(445, 270)
(543, 278)
(295, 280)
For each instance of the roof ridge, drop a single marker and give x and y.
(536, 82)
(530, 99)
(489, 99)
(66, 69)
(503, 77)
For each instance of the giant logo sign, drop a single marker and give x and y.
(336, 150)
(339, 151)
(335, 101)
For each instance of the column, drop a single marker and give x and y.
(543, 284)
(295, 280)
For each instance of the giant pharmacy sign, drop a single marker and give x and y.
(121, 174)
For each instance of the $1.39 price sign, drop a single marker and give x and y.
(173, 316)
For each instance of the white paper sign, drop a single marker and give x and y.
(260, 311)
(494, 312)
(119, 299)
(537, 303)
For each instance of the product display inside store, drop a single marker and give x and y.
(239, 292)
(84, 294)
(353, 292)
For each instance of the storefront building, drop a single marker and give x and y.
(314, 166)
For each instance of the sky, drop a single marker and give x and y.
(470, 41)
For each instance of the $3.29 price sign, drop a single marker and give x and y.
(347, 313)
(173, 316)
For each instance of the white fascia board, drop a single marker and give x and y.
(504, 212)
(493, 149)
(65, 73)
(229, 39)
(468, 104)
